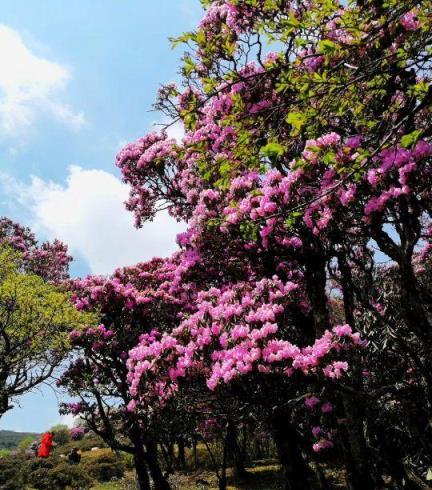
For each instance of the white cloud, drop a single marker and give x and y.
(28, 85)
(88, 214)
(68, 420)
(176, 131)
(173, 129)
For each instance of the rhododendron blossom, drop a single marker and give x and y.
(301, 288)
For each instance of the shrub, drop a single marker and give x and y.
(25, 444)
(103, 467)
(11, 474)
(77, 433)
(60, 477)
(83, 445)
(61, 434)
(128, 460)
(33, 465)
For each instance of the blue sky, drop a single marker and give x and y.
(77, 82)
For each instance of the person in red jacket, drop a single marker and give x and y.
(46, 445)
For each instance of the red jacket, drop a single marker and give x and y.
(46, 445)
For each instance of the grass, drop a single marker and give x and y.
(262, 477)
(109, 486)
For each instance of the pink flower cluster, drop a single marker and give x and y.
(48, 260)
(76, 408)
(391, 164)
(237, 18)
(410, 21)
(234, 332)
(77, 433)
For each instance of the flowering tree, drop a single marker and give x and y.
(77, 433)
(304, 177)
(35, 312)
(301, 170)
(129, 302)
(47, 260)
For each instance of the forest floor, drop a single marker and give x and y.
(263, 476)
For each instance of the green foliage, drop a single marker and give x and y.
(25, 443)
(42, 314)
(11, 474)
(410, 139)
(60, 476)
(36, 317)
(105, 471)
(327, 47)
(128, 460)
(273, 150)
(61, 434)
(103, 467)
(297, 120)
(84, 445)
(249, 230)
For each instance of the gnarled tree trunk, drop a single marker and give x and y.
(296, 471)
(159, 481)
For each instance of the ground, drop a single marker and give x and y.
(263, 477)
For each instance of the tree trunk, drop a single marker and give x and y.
(140, 465)
(159, 481)
(194, 453)
(239, 470)
(412, 304)
(316, 280)
(223, 476)
(295, 469)
(258, 450)
(181, 459)
(4, 400)
(360, 472)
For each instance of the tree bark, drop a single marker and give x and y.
(239, 470)
(139, 462)
(223, 475)
(411, 299)
(159, 481)
(194, 453)
(181, 459)
(296, 471)
(315, 280)
(360, 473)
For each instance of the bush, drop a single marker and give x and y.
(84, 445)
(77, 433)
(33, 465)
(61, 434)
(11, 474)
(61, 476)
(128, 460)
(42, 474)
(103, 467)
(25, 444)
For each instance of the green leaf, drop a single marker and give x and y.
(329, 158)
(273, 150)
(189, 65)
(297, 120)
(327, 47)
(410, 139)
